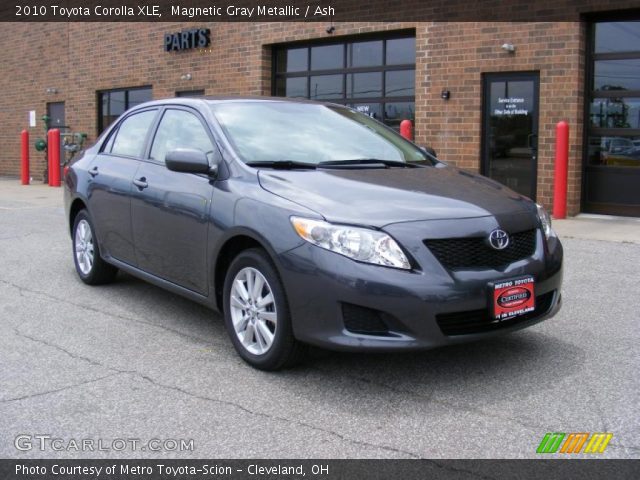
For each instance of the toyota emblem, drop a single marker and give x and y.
(499, 239)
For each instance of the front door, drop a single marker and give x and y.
(510, 130)
(170, 210)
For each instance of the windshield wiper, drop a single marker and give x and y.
(283, 165)
(367, 161)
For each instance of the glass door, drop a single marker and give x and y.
(510, 130)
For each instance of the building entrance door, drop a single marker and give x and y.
(510, 130)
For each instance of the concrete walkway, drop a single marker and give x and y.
(16, 196)
(599, 227)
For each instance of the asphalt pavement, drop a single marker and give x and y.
(131, 362)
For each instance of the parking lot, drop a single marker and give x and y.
(131, 361)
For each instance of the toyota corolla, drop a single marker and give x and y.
(308, 224)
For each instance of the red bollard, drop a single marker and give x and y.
(55, 157)
(406, 129)
(24, 164)
(561, 168)
(49, 159)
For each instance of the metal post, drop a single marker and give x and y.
(49, 159)
(561, 168)
(24, 164)
(55, 157)
(406, 129)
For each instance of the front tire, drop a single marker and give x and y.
(257, 315)
(90, 267)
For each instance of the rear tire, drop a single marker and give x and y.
(256, 313)
(90, 267)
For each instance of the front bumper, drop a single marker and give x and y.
(319, 283)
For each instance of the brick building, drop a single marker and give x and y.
(485, 95)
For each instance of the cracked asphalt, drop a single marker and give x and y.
(129, 360)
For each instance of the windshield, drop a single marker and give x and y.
(309, 133)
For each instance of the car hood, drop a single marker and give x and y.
(378, 197)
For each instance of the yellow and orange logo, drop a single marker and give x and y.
(559, 442)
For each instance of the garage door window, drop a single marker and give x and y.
(374, 76)
(614, 110)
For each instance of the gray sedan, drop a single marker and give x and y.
(308, 224)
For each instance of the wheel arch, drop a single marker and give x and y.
(76, 206)
(230, 248)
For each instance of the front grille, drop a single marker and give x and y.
(475, 252)
(480, 321)
(364, 320)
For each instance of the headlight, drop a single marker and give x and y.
(361, 244)
(545, 221)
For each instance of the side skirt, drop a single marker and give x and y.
(164, 284)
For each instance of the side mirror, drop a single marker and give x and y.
(188, 160)
(430, 151)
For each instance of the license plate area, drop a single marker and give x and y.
(512, 298)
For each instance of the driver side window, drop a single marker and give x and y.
(180, 129)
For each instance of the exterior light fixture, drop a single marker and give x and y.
(445, 94)
(509, 47)
(186, 76)
(51, 90)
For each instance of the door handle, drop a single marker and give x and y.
(141, 183)
(93, 172)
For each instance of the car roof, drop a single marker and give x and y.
(213, 100)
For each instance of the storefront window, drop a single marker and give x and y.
(401, 51)
(364, 85)
(617, 37)
(113, 103)
(294, 59)
(325, 87)
(296, 87)
(365, 54)
(614, 111)
(612, 75)
(375, 76)
(374, 110)
(400, 83)
(327, 57)
(622, 151)
(394, 113)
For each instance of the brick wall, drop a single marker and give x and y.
(80, 58)
(32, 58)
(455, 56)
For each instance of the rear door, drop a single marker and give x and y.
(170, 210)
(111, 175)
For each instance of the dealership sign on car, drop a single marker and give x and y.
(513, 298)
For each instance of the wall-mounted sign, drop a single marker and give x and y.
(511, 106)
(187, 39)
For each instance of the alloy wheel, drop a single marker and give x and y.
(253, 311)
(84, 247)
